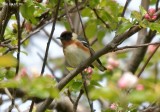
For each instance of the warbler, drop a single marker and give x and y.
(76, 50)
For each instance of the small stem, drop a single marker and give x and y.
(157, 4)
(78, 98)
(86, 91)
(149, 58)
(68, 17)
(125, 7)
(136, 46)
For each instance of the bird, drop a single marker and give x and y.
(76, 50)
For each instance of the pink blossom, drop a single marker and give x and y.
(150, 15)
(154, 17)
(23, 72)
(110, 67)
(113, 106)
(88, 70)
(151, 48)
(113, 62)
(139, 87)
(128, 80)
(151, 11)
(147, 16)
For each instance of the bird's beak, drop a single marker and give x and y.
(59, 38)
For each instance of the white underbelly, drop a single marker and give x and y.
(75, 56)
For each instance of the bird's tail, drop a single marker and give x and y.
(101, 68)
(99, 65)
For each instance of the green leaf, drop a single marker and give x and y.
(101, 34)
(41, 87)
(105, 93)
(95, 83)
(144, 23)
(153, 2)
(91, 29)
(154, 26)
(86, 12)
(1, 1)
(10, 73)
(136, 15)
(8, 61)
(51, 3)
(27, 11)
(141, 96)
(142, 10)
(124, 26)
(94, 3)
(76, 85)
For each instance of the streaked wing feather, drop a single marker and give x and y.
(83, 41)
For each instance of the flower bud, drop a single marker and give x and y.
(128, 80)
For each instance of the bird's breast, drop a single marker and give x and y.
(74, 55)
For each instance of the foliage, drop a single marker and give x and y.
(100, 18)
(41, 87)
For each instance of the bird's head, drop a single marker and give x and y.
(67, 36)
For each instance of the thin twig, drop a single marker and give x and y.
(70, 98)
(157, 4)
(95, 39)
(48, 44)
(51, 70)
(136, 46)
(19, 39)
(18, 55)
(50, 37)
(10, 97)
(149, 58)
(9, 46)
(68, 17)
(86, 91)
(78, 98)
(55, 40)
(76, 2)
(73, 9)
(83, 29)
(5, 15)
(125, 7)
(34, 32)
(98, 17)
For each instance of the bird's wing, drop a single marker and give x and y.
(84, 42)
